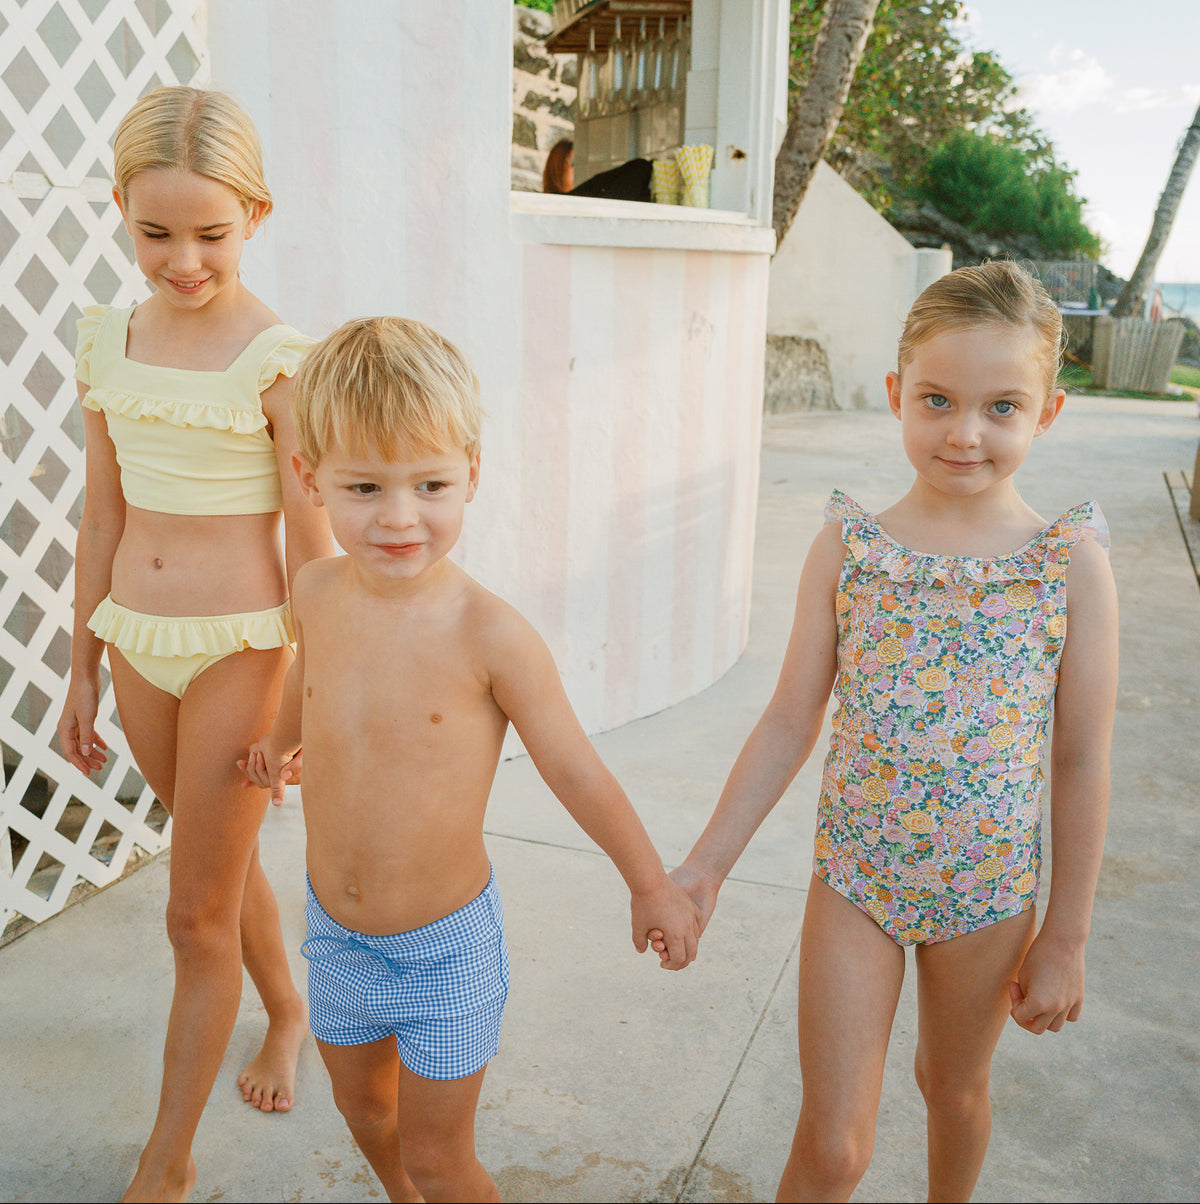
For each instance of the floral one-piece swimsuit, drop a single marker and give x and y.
(930, 811)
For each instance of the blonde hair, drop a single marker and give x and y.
(187, 129)
(384, 384)
(999, 293)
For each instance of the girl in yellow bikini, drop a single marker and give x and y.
(948, 627)
(180, 574)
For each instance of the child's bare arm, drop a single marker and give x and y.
(274, 761)
(783, 738)
(100, 530)
(526, 686)
(1049, 987)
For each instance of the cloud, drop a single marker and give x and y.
(1132, 100)
(1081, 83)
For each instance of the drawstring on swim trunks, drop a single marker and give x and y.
(338, 945)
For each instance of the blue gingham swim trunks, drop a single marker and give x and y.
(439, 989)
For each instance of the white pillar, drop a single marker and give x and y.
(387, 128)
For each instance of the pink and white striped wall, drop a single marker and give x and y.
(623, 383)
(641, 404)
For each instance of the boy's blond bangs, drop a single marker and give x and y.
(386, 385)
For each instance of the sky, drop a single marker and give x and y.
(1114, 84)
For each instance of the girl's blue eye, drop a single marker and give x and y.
(936, 401)
(1004, 407)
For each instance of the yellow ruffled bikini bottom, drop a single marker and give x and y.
(171, 652)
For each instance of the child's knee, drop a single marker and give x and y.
(953, 1094)
(197, 929)
(437, 1152)
(837, 1158)
(434, 1165)
(365, 1111)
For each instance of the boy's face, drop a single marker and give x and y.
(394, 518)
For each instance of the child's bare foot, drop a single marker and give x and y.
(269, 1082)
(150, 1185)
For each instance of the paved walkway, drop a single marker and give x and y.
(617, 1081)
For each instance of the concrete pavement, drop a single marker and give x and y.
(618, 1081)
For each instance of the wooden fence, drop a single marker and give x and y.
(1131, 353)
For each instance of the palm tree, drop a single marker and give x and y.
(815, 109)
(1133, 295)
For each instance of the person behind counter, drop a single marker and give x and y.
(626, 182)
(559, 173)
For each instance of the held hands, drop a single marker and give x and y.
(702, 891)
(272, 770)
(669, 918)
(1048, 990)
(77, 735)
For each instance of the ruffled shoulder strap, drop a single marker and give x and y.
(87, 328)
(1085, 521)
(282, 354)
(846, 510)
(865, 539)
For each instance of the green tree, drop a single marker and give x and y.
(1060, 227)
(916, 82)
(989, 185)
(918, 87)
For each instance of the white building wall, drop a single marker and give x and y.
(845, 278)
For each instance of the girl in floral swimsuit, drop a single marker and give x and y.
(949, 627)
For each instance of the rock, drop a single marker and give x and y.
(796, 375)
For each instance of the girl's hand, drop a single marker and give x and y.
(701, 889)
(1048, 991)
(270, 770)
(77, 729)
(700, 886)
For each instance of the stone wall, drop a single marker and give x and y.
(543, 97)
(796, 375)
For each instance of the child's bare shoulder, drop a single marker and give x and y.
(1089, 567)
(505, 644)
(315, 579)
(497, 625)
(827, 551)
(829, 540)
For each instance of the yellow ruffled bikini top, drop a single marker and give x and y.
(187, 442)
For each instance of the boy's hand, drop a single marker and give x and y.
(668, 911)
(271, 770)
(1048, 990)
(701, 889)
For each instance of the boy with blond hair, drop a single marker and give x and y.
(407, 674)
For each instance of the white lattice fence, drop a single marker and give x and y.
(69, 70)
